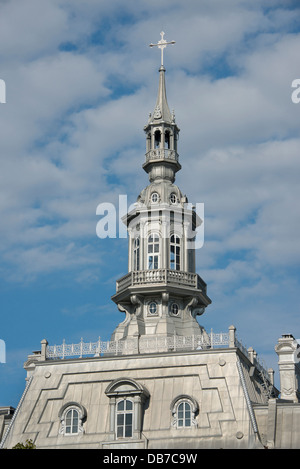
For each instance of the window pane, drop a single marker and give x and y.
(128, 405)
(120, 419)
(121, 405)
(187, 422)
(128, 431)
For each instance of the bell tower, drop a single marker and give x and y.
(161, 294)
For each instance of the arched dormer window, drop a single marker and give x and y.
(127, 401)
(136, 254)
(71, 417)
(153, 252)
(124, 418)
(184, 409)
(174, 252)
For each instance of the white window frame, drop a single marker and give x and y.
(130, 390)
(63, 415)
(136, 254)
(175, 264)
(124, 413)
(177, 418)
(155, 254)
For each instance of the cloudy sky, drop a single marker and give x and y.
(80, 83)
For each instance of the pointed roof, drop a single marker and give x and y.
(161, 111)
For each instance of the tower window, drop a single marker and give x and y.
(157, 139)
(152, 307)
(175, 252)
(174, 309)
(154, 197)
(167, 140)
(153, 252)
(124, 416)
(136, 254)
(173, 198)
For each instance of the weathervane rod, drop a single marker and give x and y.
(162, 44)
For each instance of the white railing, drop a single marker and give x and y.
(161, 276)
(140, 345)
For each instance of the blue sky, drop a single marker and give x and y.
(81, 81)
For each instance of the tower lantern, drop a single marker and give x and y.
(161, 294)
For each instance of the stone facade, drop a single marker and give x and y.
(218, 384)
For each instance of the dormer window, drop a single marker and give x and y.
(71, 417)
(127, 400)
(184, 409)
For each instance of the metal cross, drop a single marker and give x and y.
(162, 44)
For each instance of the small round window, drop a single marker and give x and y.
(174, 309)
(152, 307)
(173, 198)
(154, 197)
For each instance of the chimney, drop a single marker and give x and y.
(288, 351)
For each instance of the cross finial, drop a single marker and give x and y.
(162, 44)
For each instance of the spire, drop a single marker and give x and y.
(162, 132)
(161, 111)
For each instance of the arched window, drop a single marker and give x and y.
(167, 140)
(157, 139)
(184, 414)
(127, 399)
(174, 309)
(124, 416)
(72, 421)
(136, 254)
(71, 417)
(153, 252)
(184, 409)
(152, 307)
(175, 252)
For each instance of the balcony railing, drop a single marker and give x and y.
(137, 346)
(161, 154)
(161, 277)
